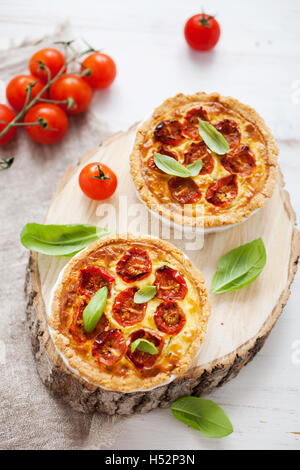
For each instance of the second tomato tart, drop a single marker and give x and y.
(114, 353)
(229, 186)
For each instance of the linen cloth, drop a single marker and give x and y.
(30, 417)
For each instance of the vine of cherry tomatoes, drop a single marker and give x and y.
(43, 99)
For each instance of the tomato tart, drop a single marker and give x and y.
(229, 186)
(173, 320)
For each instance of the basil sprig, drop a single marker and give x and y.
(239, 267)
(94, 309)
(214, 140)
(144, 294)
(60, 240)
(172, 167)
(144, 345)
(203, 415)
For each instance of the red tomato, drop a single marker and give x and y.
(141, 359)
(77, 328)
(134, 265)
(223, 191)
(202, 32)
(6, 115)
(109, 347)
(97, 181)
(169, 318)
(72, 86)
(52, 58)
(56, 120)
(92, 279)
(102, 70)
(16, 90)
(170, 284)
(125, 311)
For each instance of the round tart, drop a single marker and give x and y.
(174, 320)
(229, 187)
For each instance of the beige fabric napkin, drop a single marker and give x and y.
(30, 418)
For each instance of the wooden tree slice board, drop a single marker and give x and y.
(240, 321)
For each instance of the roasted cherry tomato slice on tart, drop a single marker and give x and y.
(241, 162)
(134, 265)
(169, 132)
(230, 131)
(77, 328)
(222, 192)
(125, 311)
(199, 151)
(163, 151)
(109, 347)
(92, 279)
(191, 122)
(184, 190)
(169, 318)
(170, 284)
(141, 359)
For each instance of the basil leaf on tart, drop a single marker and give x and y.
(203, 415)
(172, 167)
(144, 345)
(239, 267)
(214, 140)
(94, 309)
(144, 294)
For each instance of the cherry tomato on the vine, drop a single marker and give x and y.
(97, 181)
(52, 58)
(202, 32)
(74, 87)
(16, 90)
(6, 115)
(54, 123)
(102, 70)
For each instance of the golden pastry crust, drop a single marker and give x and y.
(179, 350)
(152, 187)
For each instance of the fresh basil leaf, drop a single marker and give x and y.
(239, 267)
(214, 140)
(144, 294)
(5, 164)
(203, 415)
(94, 309)
(172, 167)
(195, 167)
(60, 240)
(144, 345)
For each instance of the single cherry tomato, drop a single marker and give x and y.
(92, 279)
(191, 122)
(170, 284)
(169, 318)
(97, 181)
(77, 328)
(134, 265)
(141, 359)
(52, 58)
(202, 32)
(54, 123)
(16, 90)
(102, 70)
(241, 162)
(109, 347)
(125, 311)
(184, 190)
(163, 151)
(169, 132)
(223, 191)
(72, 87)
(230, 131)
(199, 151)
(6, 115)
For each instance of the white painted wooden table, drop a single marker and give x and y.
(257, 61)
